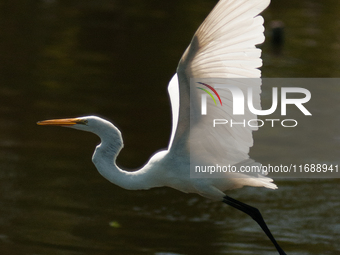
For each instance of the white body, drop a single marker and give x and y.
(222, 47)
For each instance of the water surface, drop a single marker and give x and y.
(114, 59)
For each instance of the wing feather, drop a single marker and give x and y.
(222, 47)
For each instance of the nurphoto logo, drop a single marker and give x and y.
(239, 107)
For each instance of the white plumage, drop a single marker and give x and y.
(222, 47)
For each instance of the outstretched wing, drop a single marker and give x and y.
(222, 47)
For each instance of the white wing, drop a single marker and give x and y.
(222, 47)
(173, 91)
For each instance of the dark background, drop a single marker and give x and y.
(114, 59)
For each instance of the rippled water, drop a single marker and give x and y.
(114, 59)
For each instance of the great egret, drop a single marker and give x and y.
(223, 47)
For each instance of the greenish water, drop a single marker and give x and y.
(114, 59)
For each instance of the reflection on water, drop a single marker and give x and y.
(114, 59)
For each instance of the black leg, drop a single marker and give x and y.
(256, 215)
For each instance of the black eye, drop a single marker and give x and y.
(83, 122)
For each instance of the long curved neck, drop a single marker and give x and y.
(104, 159)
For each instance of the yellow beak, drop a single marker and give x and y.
(60, 122)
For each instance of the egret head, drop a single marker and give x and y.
(91, 124)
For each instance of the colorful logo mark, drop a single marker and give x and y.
(213, 90)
